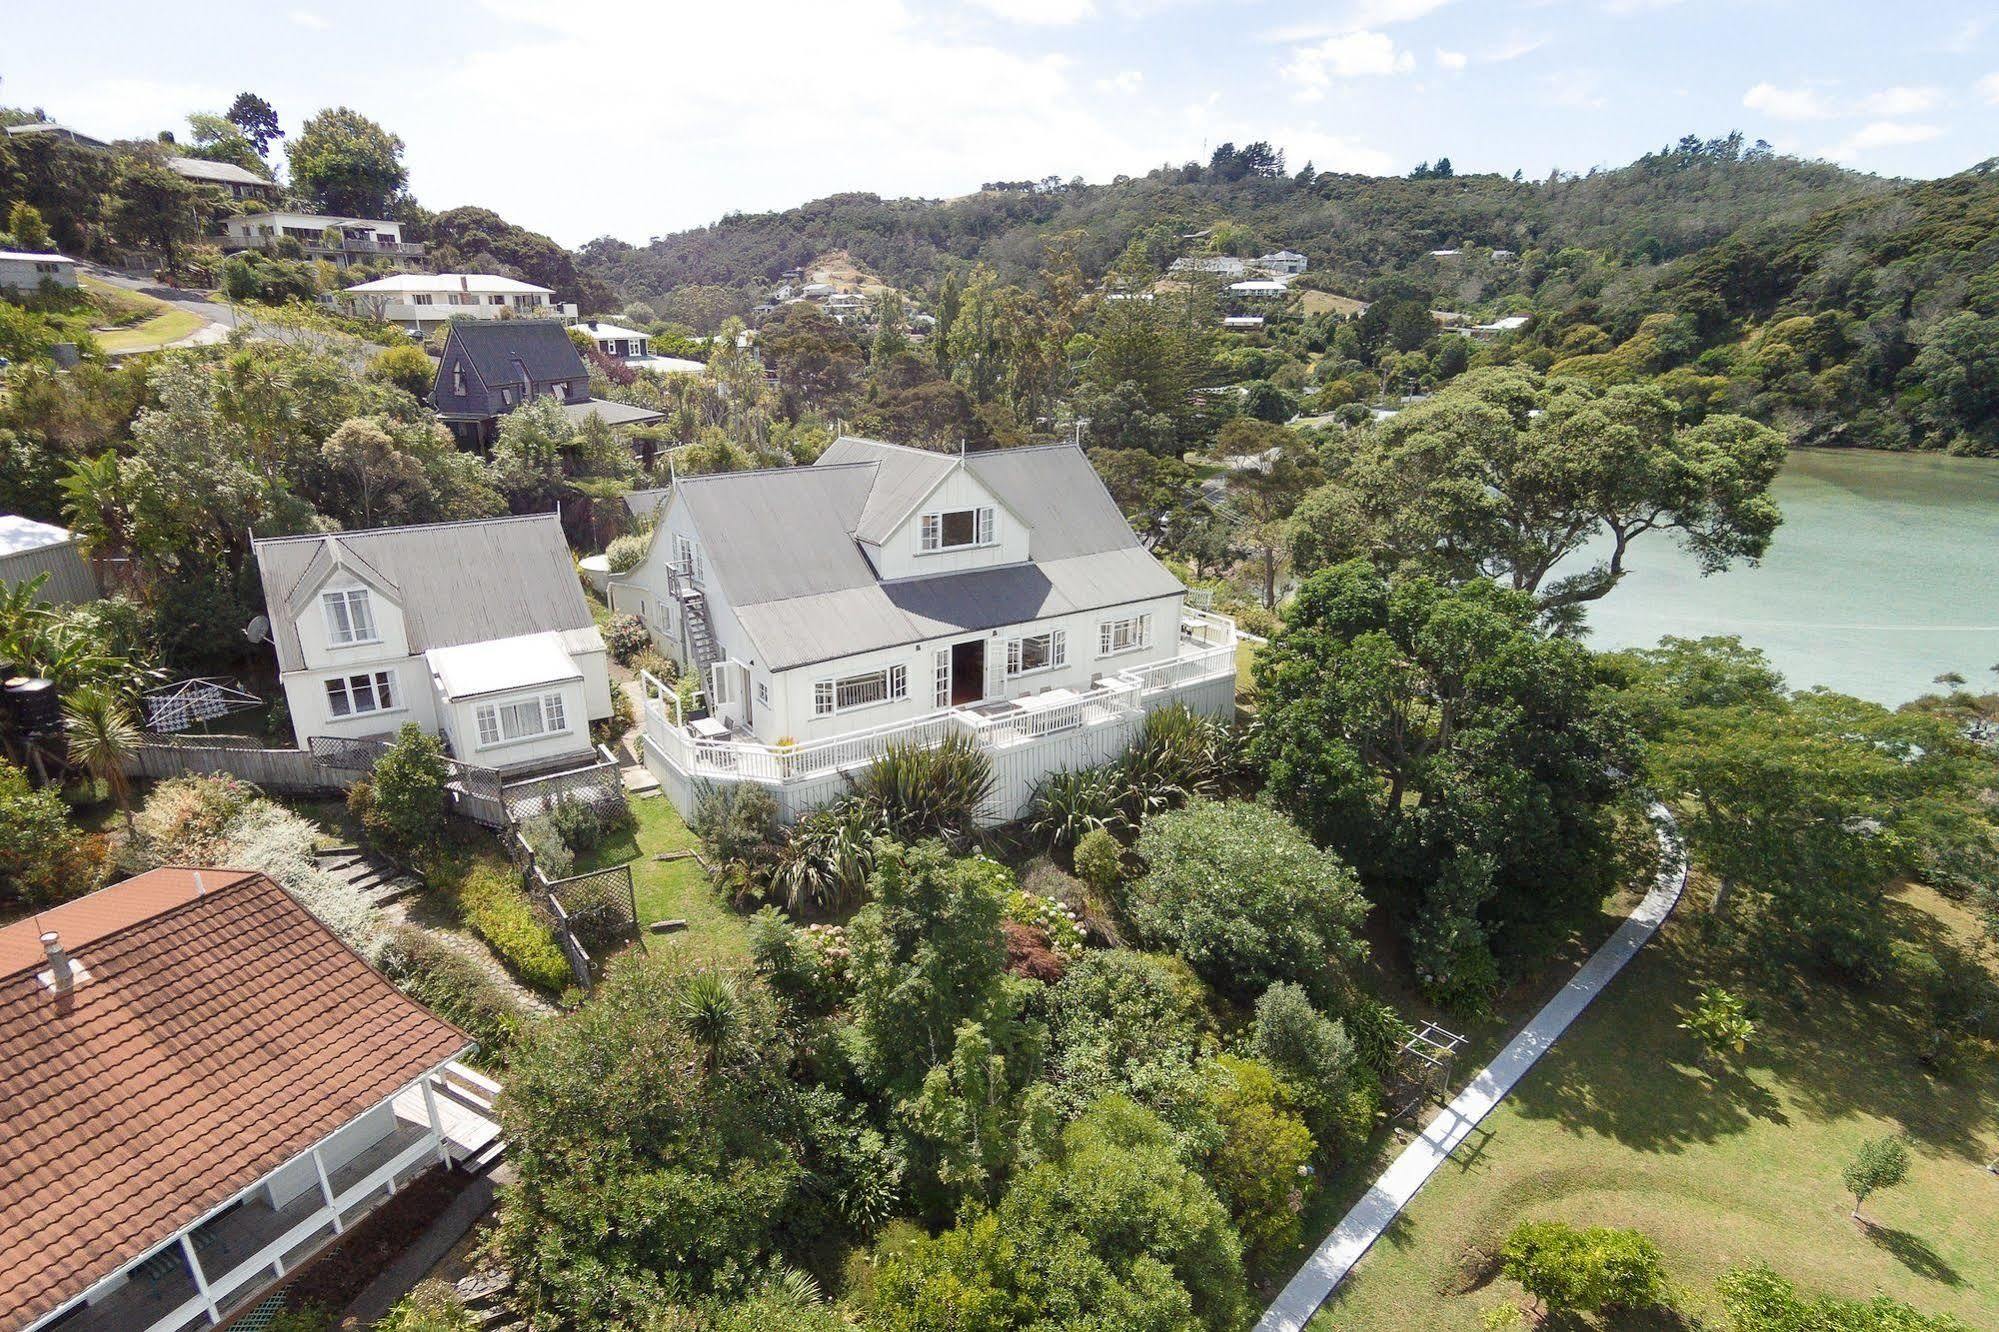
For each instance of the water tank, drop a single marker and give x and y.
(34, 705)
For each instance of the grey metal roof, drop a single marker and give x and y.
(610, 413)
(200, 168)
(784, 546)
(494, 346)
(455, 582)
(643, 502)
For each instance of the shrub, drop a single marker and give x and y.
(407, 814)
(585, 825)
(407, 367)
(552, 855)
(1720, 1022)
(431, 1306)
(1054, 919)
(1028, 954)
(266, 836)
(489, 897)
(825, 861)
(1238, 891)
(43, 857)
(1584, 1271)
(737, 823)
(453, 986)
(1071, 804)
(1125, 1021)
(1312, 1054)
(1100, 861)
(916, 791)
(1756, 1299)
(184, 820)
(627, 552)
(610, 730)
(1094, 914)
(625, 637)
(1258, 1162)
(1178, 755)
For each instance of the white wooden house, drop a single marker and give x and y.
(206, 1090)
(478, 632)
(893, 594)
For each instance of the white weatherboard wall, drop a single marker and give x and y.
(459, 722)
(305, 690)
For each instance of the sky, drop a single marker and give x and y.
(585, 118)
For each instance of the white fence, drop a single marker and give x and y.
(1025, 744)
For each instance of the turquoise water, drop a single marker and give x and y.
(1884, 575)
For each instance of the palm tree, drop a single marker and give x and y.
(103, 739)
(712, 1010)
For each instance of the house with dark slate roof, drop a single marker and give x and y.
(893, 595)
(477, 632)
(490, 367)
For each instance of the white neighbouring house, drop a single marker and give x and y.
(1288, 263)
(419, 302)
(478, 632)
(340, 240)
(26, 270)
(893, 595)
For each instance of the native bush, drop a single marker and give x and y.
(1237, 890)
(1257, 1161)
(915, 791)
(42, 855)
(457, 989)
(1100, 861)
(1583, 1271)
(627, 552)
(824, 861)
(490, 898)
(407, 813)
(1072, 803)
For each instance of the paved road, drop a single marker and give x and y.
(1372, 1215)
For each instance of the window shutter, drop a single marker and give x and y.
(898, 682)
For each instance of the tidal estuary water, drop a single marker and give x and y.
(1884, 575)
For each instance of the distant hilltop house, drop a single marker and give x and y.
(1497, 328)
(1287, 263)
(477, 632)
(490, 367)
(891, 595)
(339, 240)
(845, 305)
(25, 271)
(29, 549)
(237, 181)
(49, 127)
(1259, 289)
(1216, 265)
(1504, 255)
(633, 348)
(419, 302)
(206, 1090)
(1445, 254)
(1242, 321)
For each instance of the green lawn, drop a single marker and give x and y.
(1617, 1126)
(170, 325)
(671, 889)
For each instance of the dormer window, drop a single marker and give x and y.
(349, 617)
(458, 379)
(954, 529)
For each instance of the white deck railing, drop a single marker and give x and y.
(1207, 647)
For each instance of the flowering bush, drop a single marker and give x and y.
(625, 637)
(1054, 919)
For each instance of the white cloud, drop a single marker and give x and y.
(1880, 134)
(1356, 16)
(1988, 88)
(1901, 100)
(1053, 13)
(1126, 81)
(1452, 60)
(305, 18)
(1313, 68)
(1787, 103)
(959, 109)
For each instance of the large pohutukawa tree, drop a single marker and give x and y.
(1470, 765)
(1506, 474)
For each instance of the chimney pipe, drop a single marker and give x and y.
(62, 975)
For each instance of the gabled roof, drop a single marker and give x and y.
(215, 1031)
(500, 349)
(36, 257)
(454, 582)
(224, 173)
(786, 548)
(486, 283)
(597, 328)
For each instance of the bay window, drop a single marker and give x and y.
(509, 720)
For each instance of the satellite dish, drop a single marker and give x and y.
(258, 629)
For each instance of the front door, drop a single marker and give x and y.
(968, 672)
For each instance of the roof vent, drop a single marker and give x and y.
(64, 973)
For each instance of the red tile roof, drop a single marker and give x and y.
(217, 1032)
